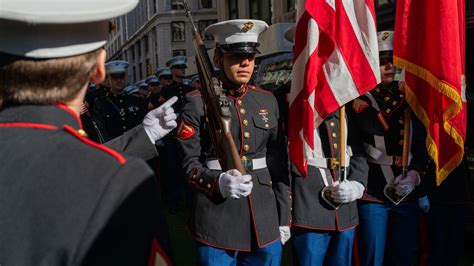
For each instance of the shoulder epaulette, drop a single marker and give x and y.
(259, 90)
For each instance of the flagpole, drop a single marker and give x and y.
(406, 141)
(342, 142)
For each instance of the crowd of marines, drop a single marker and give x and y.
(110, 204)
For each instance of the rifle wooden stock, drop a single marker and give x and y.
(216, 106)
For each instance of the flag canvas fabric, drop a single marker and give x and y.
(335, 61)
(429, 45)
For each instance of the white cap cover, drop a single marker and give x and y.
(57, 28)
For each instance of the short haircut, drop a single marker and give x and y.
(44, 81)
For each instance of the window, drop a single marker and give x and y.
(177, 4)
(206, 3)
(202, 24)
(149, 68)
(290, 5)
(134, 73)
(154, 6)
(145, 40)
(179, 52)
(233, 9)
(139, 47)
(177, 31)
(140, 70)
(132, 50)
(260, 9)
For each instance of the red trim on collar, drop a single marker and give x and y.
(260, 90)
(71, 112)
(115, 154)
(29, 125)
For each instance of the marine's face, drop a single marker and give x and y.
(238, 68)
(179, 71)
(117, 82)
(387, 70)
(165, 80)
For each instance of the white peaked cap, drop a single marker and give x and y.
(114, 67)
(176, 61)
(163, 71)
(385, 40)
(237, 31)
(130, 89)
(57, 28)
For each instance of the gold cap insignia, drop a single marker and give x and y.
(385, 35)
(247, 26)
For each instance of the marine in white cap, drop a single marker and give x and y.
(153, 85)
(164, 76)
(255, 206)
(177, 88)
(65, 199)
(390, 217)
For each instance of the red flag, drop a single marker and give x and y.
(429, 44)
(335, 61)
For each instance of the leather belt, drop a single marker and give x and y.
(250, 164)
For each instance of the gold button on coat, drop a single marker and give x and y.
(242, 111)
(246, 135)
(245, 122)
(246, 147)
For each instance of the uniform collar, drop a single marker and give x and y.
(57, 115)
(386, 89)
(237, 93)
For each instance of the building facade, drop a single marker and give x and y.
(270, 11)
(155, 31)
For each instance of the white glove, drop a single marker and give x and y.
(285, 234)
(405, 186)
(160, 121)
(235, 185)
(424, 204)
(347, 191)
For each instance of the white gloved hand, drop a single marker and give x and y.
(424, 204)
(347, 191)
(160, 121)
(285, 234)
(235, 185)
(405, 186)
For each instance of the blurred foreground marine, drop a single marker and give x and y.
(65, 199)
(238, 217)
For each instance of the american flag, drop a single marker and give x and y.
(335, 61)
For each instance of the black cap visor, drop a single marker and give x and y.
(239, 48)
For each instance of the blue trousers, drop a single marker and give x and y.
(266, 256)
(314, 248)
(388, 235)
